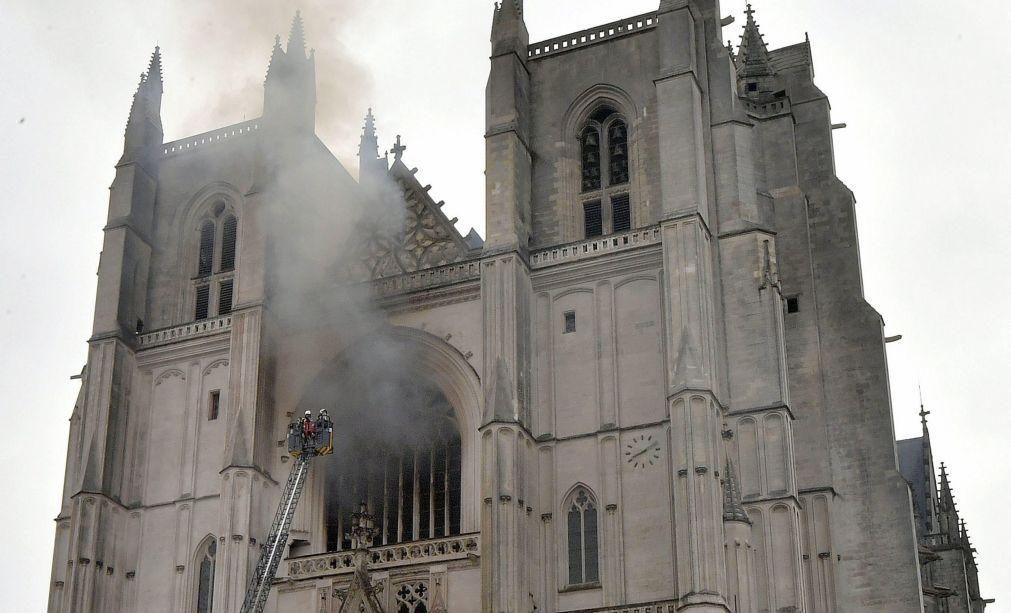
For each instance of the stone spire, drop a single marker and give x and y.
(296, 36)
(368, 148)
(753, 54)
(733, 510)
(143, 127)
(948, 511)
(154, 75)
(371, 167)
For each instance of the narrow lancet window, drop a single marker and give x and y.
(617, 140)
(206, 256)
(582, 539)
(591, 159)
(205, 578)
(229, 234)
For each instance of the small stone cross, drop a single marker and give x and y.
(398, 149)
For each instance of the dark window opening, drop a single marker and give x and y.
(229, 234)
(203, 302)
(593, 222)
(205, 579)
(752, 87)
(622, 213)
(793, 304)
(214, 405)
(591, 159)
(225, 297)
(206, 254)
(570, 322)
(617, 138)
(410, 482)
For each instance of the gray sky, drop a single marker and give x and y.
(923, 86)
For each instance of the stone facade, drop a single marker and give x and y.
(667, 389)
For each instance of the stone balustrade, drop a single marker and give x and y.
(214, 136)
(430, 277)
(593, 247)
(195, 329)
(592, 36)
(434, 551)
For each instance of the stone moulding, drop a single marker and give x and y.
(195, 329)
(592, 36)
(613, 243)
(435, 551)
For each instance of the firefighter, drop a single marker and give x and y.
(308, 429)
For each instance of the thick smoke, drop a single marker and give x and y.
(227, 49)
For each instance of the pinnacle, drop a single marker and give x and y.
(369, 147)
(296, 37)
(154, 66)
(753, 54)
(733, 510)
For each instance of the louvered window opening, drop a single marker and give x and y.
(604, 168)
(592, 219)
(622, 213)
(414, 493)
(214, 284)
(225, 297)
(203, 302)
(229, 234)
(206, 255)
(582, 540)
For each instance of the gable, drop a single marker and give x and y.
(425, 239)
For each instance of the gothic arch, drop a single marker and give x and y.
(184, 237)
(202, 571)
(573, 121)
(583, 497)
(435, 361)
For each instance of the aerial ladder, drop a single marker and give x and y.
(307, 438)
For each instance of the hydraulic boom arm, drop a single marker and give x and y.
(304, 443)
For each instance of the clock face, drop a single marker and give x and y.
(642, 451)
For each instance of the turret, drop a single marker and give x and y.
(508, 159)
(290, 88)
(509, 31)
(754, 68)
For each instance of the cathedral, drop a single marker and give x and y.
(655, 385)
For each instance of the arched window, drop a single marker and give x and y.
(205, 577)
(406, 466)
(214, 283)
(229, 234)
(591, 158)
(604, 156)
(205, 261)
(581, 531)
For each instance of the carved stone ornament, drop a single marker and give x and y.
(427, 240)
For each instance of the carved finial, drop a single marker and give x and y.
(923, 412)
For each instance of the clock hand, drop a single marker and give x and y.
(645, 450)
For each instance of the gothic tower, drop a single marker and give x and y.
(655, 384)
